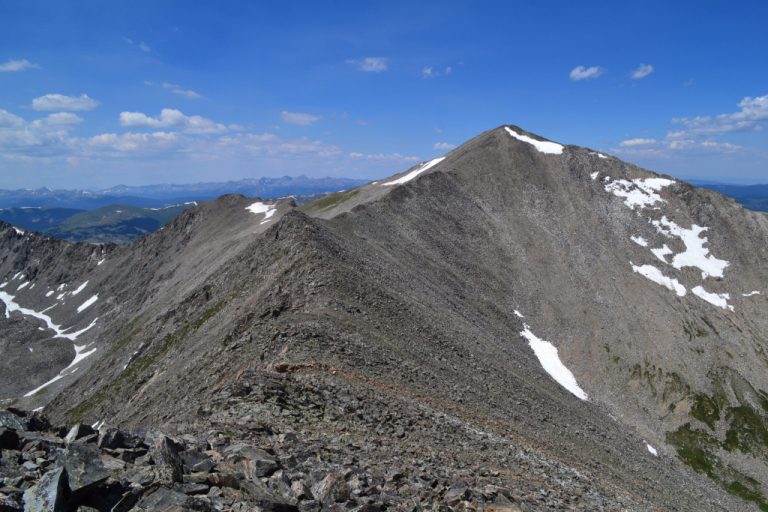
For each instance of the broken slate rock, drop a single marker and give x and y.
(50, 494)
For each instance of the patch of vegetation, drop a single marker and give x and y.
(695, 448)
(742, 491)
(747, 430)
(332, 200)
(706, 409)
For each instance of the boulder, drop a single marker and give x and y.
(166, 456)
(255, 462)
(78, 431)
(84, 468)
(50, 494)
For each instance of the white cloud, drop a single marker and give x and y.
(171, 118)
(60, 102)
(41, 138)
(433, 72)
(299, 118)
(444, 146)
(583, 73)
(752, 115)
(371, 64)
(384, 157)
(17, 65)
(637, 142)
(642, 71)
(176, 89)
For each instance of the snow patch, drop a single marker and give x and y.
(11, 306)
(543, 146)
(518, 314)
(546, 352)
(413, 174)
(695, 254)
(19, 231)
(594, 175)
(718, 299)
(98, 263)
(639, 192)
(79, 288)
(267, 209)
(655, 275)
(45, 385)
(49, 293)
(642, 242)
(743, 294)
(23, 285)
(85, 305)
(652, 450)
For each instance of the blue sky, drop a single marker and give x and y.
(93, 94)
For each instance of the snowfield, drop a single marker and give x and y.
(543, 146)
(546, 352)
(413, 174)
(695, 254)
(718, 299)
(655, 275)
(267, 209)
(639, 192)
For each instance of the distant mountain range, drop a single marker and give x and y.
(158, 196)
(121, 214)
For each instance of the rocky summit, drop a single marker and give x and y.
(518, 325)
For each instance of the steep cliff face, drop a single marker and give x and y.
(519, 293)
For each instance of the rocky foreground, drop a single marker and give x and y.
(47, 468)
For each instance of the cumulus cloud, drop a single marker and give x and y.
(642, 71)
(41, 138)
(299, 118)
(700, 133)
(60, 102)
(17, 65)
(370, 64)
(444, 146)
(637, 142)
(171, 118)
(584, 73)
(751, 116)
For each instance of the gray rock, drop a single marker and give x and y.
(166, 456)
(84, 468)
(50, 494)
(331, 489)
(255, 462)
(78, 431)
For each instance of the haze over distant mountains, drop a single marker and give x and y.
(156, 196)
